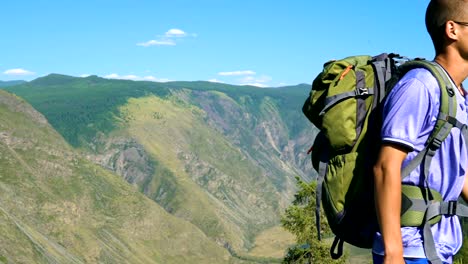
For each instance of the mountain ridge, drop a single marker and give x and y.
(54, 77)
(11, 83)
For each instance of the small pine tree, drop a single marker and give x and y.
(462, 255)
(299, 219)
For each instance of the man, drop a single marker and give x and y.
(409, 115)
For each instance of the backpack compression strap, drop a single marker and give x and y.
(445, 122)
(318, 189)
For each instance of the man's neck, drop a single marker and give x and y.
(455, 66)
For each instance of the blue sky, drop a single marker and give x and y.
(265, 43)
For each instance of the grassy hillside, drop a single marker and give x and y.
(56, 207)
(222, 157)
(228, 206)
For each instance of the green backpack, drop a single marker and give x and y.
(345, 105)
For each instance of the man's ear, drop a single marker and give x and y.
(451, 30)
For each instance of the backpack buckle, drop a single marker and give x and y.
(450, 91)
(435, 144)
(452, 208)
(362, 91)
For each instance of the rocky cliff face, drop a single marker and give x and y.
(259, 129)
(125, 157)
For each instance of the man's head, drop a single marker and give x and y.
(438, 12)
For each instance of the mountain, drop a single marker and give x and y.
(58, 207)
(219, 156)
(10, 83)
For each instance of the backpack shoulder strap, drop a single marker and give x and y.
(446, 119)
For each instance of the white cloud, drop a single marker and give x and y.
(261, 85)
(237, 73)
(18, 71)
(168, 39)
(121, 77)
(261, 81)
(215, 81)
(150, 78)
(175, 33)
(85, 75)
(112, 76)
(132, 77)
(247, 77)
(161, 42)
(154, 79)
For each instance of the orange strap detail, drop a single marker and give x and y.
(346, 71)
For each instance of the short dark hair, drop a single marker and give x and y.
(438, 12)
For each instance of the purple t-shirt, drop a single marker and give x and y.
(409, 115)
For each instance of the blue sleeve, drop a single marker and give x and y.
(408, 112)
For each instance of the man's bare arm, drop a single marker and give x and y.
(387, 175)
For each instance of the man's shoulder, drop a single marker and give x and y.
(420, 75)
(417, 81)
(416, 93)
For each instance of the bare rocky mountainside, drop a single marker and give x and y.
(219, 159)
